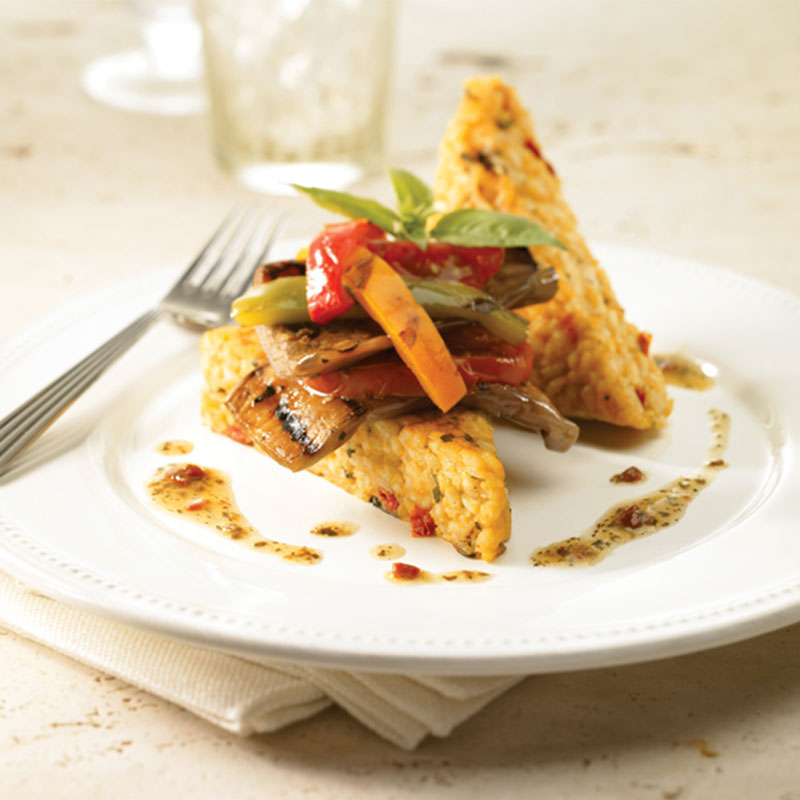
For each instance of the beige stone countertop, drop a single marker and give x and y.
(675, 127)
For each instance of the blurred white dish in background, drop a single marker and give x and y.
(165, 76)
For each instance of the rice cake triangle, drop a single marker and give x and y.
(443, 465)
(589, 360)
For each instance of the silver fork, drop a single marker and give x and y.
(201, 298)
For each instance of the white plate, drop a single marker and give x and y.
(76, 522)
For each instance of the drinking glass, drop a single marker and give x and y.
(297, 88)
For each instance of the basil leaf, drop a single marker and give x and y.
(354, 207)
(414, 198)
(478, 227)
(415, 231)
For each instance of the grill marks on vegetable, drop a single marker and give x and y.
(295, 426)
(267, 393)
(633, 519)
(204, 495)
(289, 423)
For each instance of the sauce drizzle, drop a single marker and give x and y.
(633, 519)
(332, 530)
(681, 371)
(388, 552)
(630, 475)
(204, 495)
(416, 576)
(174, 447)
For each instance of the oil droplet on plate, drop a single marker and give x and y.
(388, 552)
(174, 447)
(333, 530)
(685, 373)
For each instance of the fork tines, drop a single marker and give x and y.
(226, 264)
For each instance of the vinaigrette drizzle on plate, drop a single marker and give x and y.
(387, 552)
(410, 574)
(633, 519)
(174, 447)
(204, 495)
(333, 530)
(683, 372)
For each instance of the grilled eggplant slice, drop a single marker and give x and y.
(527, 407)
(521, 281)
(313, 349)
(295, 426)
(289, 423)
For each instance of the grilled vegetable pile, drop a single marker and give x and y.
(385, 315)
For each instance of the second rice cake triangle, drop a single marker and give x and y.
(590, 361)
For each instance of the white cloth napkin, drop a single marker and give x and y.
(247, 695)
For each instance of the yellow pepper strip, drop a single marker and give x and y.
(383, 294)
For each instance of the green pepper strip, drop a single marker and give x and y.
(283, 302)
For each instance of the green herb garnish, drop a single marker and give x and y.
(478, 227)
(349, 205)
(467, 227)
(415, 204)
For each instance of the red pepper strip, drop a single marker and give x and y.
(381, 377)
(475, 340)
(471, 265)
(508, 369)
(325, 294)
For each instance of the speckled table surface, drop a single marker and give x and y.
(675, 127)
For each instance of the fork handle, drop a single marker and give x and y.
(35, 415)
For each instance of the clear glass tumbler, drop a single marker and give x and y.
(297, 88)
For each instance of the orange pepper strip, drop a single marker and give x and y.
(385, 297)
